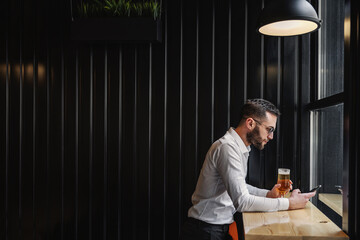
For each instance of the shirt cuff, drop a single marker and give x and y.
(283, 204)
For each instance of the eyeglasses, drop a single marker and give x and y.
(269, 129)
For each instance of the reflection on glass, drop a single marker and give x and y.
(331, 48)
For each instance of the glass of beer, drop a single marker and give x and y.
(284, 180)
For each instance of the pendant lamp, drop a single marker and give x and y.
(288, 18)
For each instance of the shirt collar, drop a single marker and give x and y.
(239, 141)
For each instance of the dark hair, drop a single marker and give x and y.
(257, 108)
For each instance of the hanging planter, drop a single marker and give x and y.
(117, 29)
(117, 20)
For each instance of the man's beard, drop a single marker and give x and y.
(255, 139)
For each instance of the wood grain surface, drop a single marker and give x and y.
(307, 223)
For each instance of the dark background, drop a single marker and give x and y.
(105, 140)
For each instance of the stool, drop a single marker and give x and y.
(236, 229)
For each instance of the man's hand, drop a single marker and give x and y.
(298, 199)
(274, 192)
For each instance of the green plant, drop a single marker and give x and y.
(150, 9)
(86, 9)
(119, 8)
(127, 8)
(138, 8)
(113, 7)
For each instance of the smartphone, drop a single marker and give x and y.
(315, 188)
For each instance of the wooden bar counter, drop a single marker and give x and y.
(307, 223)
(333, 201)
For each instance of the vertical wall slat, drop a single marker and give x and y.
(157, 142)
(221, 64)
(271, 93)
(98, 142)
(135, 147)
(105, 141)
(47, 218)
(128, 172)
(262, 62)
(165, 121)
(279, 101)
(62, 116)
(296, 114)
(254, 89)
(21, 62)
(149, 143)
(34, 142)
(229, 68)
(76, 143)
(120, 142)
(112, 142)
(289, 102)
(237, 60)
(196, 153)
(205, 60)
(180, 190)
(83, 140)
(7, 114)
(246, 50)
(213, 71)
(189, 100)
(91, 140)
(304, 134)
(263, 94)
(173, 117)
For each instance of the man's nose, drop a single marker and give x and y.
(271, 135)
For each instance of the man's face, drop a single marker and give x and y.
(255, 139)
(262, 133)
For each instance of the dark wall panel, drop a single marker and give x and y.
(289, 103)
(272, 63)
(3, 133)
(83, 126)
(255, 84)
(221, 84)
(156, 222)
(106, 140)
(190, 47)
(237, 64)
(174, 114)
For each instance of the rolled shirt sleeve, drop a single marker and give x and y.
(257, 191)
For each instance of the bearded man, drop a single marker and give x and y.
(221, 189)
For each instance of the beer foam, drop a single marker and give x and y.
(284, 171)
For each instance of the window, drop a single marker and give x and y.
(331, 48)
(327, 112)
(327, 158)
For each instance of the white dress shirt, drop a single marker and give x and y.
(221, 188)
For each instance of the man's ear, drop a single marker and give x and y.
(250, 123)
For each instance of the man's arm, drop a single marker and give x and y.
(233, 174)
(296, 201)
(257, 191)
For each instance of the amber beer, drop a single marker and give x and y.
(284, 180)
